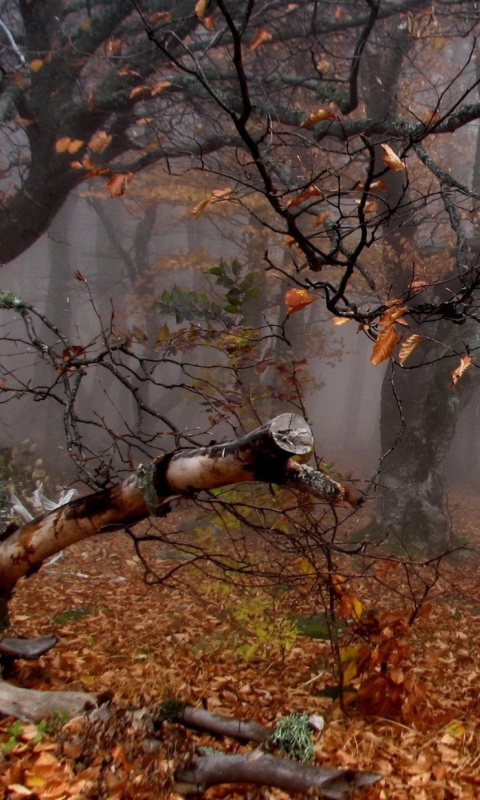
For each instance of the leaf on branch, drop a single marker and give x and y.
(312, 191)
(321, 218)
(61, 145)
(159, 87)
(375, 185)
(319, 115)
(138, 91)
(296, 299)
(36, 65)
(117, 184)
(216, 196)
(261, 37)
(465, 363)
(75, 145)
(370, 206)
(113, 47)
(209, 22)
(408, 346)
(390, 158)
(161, 16)
(384, 346)
(201, 8)
(340, 320)
(394, 313)
(100, 142)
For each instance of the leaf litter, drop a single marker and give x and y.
(139, 645)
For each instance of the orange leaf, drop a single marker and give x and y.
(100, 142)
(74, 145)
(296, 299)
(117, 184)
(138, 91)
(321, 218)
(209, 22)
(391, 159)
(160, 86)
(113, 46)
(340, 320)
(161, 16)
(465, 363)
(319, 115)
(384, 346)
(36, 65)
(216, 196)
(312, 191)
(261, 37)
(62, 144)
(201, 8)
(408, 346)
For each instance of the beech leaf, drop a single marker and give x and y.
(390, 158)
(384, 346)
(408, 346)
(319, 115)
(261, 37)
(117, 184)
(465, 363)
(312, 191)
(296, 299)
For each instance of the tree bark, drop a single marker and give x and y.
(266, 455)
(265, 770)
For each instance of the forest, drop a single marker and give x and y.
(239, 461)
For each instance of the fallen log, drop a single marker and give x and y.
(264, 769)
(35, 705)
(268, 454)
(30, 649)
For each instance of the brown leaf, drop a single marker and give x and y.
(394, 313)
(216, 196)
(61, 145)
(261, 37)
(36, 65)
(408, 346)
(113, 47)
(391, 159)
(74, 145)
(161, 16)
(465, 363)
(91, 101)
(384, 346)
(209, 22)
(319, 115)
(312, 191)
(117, 184)
(160, 86)
(340, 320)
(296, 299)
(321, 218)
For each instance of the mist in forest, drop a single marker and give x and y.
(114, 250)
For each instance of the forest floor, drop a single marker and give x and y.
(139, 644)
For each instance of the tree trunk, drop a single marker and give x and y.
(422, 409)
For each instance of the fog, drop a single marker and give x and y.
(343, 405)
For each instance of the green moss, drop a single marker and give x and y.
(9, 300)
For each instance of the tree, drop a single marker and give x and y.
(292, 109)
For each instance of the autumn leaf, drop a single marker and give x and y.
(100, 142)
(36, 65)
(321, 218)
(138, 91)
(340, 320)
(312, 191)
(201, 8)
(113, 47)
(319, 115)
(261, 37)
(209, 22)
(160, 87)
(117, 184)
(296, 299)
(74, 145)
(373, 186)
(408, 346)
(465, 363)
(384, 346)
(91, 100)
(61, 145)
(349, 607)
(394, 313)
(161, 16)
(216, 196)
(391, 159)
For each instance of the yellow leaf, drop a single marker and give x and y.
(296, 299)
(465, 363)
(390, 158)
(384, 346)
(319, 115)
(408, 346)
(455, 729)
(349, 672)
(261, 37)
(36, 65)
